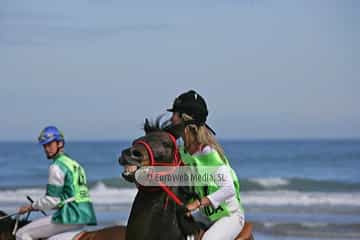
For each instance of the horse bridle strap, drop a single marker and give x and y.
(177, 162)
(171, 194)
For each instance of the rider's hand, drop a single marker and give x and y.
(192, 206)
(25, 209)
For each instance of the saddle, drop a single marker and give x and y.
(246, 232)
(109, 233)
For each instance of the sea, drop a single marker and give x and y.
(290, 189)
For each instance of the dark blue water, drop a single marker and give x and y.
(337, 161)
(307, 187)
(321, 160)
(24, 164)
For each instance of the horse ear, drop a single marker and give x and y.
(147, 125)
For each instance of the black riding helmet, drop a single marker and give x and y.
(194, 105)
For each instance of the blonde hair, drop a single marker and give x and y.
(194, 134)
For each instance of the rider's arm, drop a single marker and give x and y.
(226, 190)
(54, 189)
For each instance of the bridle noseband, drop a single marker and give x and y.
(175, 163)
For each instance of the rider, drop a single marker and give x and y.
(66, 192)
(220, 203)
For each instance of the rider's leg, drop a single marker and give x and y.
(44, 228)
(226, 228)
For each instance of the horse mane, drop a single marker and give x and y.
(4, 223)
(157, 125)
(6, 226)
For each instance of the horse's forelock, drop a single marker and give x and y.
(154, 131)
(157, 125)
(159, 141)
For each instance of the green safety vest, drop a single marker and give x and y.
(211, 159)
(75, 206)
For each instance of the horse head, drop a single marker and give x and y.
(156, 148)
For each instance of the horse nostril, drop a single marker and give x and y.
(124, 153)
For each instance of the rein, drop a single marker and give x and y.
(177, 162)
(8, 216)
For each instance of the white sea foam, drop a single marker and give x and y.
(314, 225)
(295, 198)
(100, 194)
(19, 195)
(108, 196)
(270, 182)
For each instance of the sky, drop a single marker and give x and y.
(97, 68)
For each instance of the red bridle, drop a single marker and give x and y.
(177, 162)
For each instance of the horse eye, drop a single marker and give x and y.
(136, 153)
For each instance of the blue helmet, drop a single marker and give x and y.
(50, 134)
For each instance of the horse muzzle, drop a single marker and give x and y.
(130, 161)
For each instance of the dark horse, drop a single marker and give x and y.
(110, 233)
(7, 225)
(155, 214)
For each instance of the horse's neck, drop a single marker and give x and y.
(157, 199)
(6, 229)
(152, 213)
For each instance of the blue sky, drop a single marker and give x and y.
(97, 68)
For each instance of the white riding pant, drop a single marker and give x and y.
(226, 228)
(44, 228)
